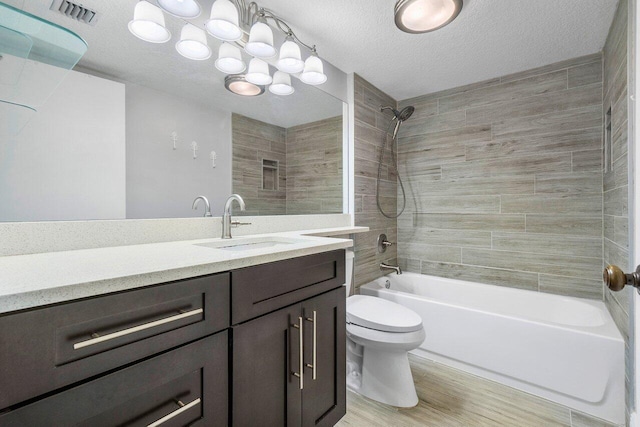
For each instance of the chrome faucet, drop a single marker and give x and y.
(397, 268)
(226, 217)
(207, 207)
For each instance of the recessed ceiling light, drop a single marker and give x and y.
(422, 16)
(240, 86)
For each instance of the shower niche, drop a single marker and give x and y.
(270, 173)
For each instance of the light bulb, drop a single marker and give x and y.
(281, 84)
(260, 42)
(187, 9)
(230, 59)
(148, 23)
(290, 59)
(224, 23)
(313, 73)
(193, 43)
(258, 72)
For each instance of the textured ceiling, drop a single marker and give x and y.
(490, 38)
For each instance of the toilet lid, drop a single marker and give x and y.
(381, 314)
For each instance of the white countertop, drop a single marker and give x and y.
(28, 281)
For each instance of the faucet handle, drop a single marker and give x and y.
(236, 224)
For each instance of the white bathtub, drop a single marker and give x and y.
(564, 349)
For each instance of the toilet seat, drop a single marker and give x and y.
(381, 315)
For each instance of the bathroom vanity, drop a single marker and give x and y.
(262, 344)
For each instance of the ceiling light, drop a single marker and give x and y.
(290, 58)
(193, 43)
(281, 84)
(258, 72)
(187, 9)
(240, 86)
(224, 23)
(260, 42)
(313, 73)
(422, 16)
(148, 23)
(230, 59)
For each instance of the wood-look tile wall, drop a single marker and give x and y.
(370, 133)
(253, 141)
(616, 180)
(314, 167)
(310, 166)
(504, 181)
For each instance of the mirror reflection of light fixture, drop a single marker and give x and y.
(193, 43)
(148, 23)
(281, 84)
(258, 72)
(187, 9)
(224, 21)
(230, 59)
(229, 22)
(260, 42)
(313, 73)
(422, 16)
(290, 58)
(240, 86)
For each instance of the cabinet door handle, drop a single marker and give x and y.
(315, 345)
(300, 375)
(175, 413)
(98, 339)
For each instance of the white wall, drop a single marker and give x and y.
(69, 160)
(162, 182)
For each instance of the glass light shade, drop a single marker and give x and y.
(258, 72)
(281, 84)
(148, 23)
(313, 73)
(187, 9)
(223, 23)
(240, 86)
(260, 42)
(193, 43)
(290, 59)
(422, 16)
(230, 59)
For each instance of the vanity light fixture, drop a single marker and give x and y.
(423, 16)
(281, 84)
(193, 43)
(260, 44)
(290, 58)
(238, 25)
(187, 9)
(148, 23)
(230, 59)
(224, 22)
(258, 72)
(240, 86)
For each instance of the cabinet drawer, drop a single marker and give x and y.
(45, 349)
(185, 386)
(264, 288)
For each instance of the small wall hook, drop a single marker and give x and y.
(174, 138)
(194, 147)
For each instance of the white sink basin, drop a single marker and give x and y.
(249, 244)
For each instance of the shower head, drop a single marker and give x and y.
(401, 115)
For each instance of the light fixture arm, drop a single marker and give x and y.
(252, 13)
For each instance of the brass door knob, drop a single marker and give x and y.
(616, 279)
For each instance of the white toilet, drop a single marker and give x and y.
(379, 335)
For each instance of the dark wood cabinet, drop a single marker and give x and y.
(185, 386)
(258, 346)
(280, 382)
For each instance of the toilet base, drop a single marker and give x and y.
(384, 376)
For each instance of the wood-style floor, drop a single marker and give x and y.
(449, 397)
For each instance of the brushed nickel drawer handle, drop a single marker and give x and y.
(98, 339)
(300, 375)
(315, 346)
(175, 413)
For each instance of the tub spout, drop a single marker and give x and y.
(395, 268)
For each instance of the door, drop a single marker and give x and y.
(324, 391)
(265, 362)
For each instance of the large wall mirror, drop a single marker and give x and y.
(135, 130)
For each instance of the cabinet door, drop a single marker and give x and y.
(266, 353)
(323, 396)
(185, 386)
